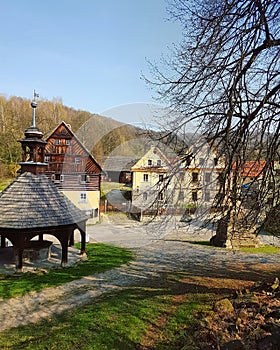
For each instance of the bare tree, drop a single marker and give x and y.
(224, 77)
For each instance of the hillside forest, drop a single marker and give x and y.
(16, 116)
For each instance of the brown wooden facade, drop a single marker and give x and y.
(65, 154)
(72, 168)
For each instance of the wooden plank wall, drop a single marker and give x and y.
(73, 182)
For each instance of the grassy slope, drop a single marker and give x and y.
(161, 313)
(158, 316)
(100, 258)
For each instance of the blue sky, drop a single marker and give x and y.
(90, 53)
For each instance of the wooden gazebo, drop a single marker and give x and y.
(33, 206)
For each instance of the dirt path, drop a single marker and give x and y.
(164, 256)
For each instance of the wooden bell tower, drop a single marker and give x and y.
(33, 147)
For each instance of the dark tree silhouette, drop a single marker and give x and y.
(224, 77)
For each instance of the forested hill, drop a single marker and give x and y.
(101, 135)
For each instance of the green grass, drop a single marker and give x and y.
(261, 250)
(4, 183)
(128, 319)
(100, 257)
(251, 250)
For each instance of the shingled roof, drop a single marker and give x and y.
(118, 163)
(34, 202)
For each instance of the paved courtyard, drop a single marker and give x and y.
(119, 230)
(159, 249)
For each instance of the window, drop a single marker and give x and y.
(194, 196)
(201, 161)
(145, 196)
(150, 162)
(194, 177)
(57, 142)
(219, 197)
(207, 177)
(181, 175)
(158, 162)
(84, 178)
(58, 177)
(160, 178)
(160, 196)
(220, 178)
(47, 159)
(181, 196)
(77, 160)
(83, 197)
(207, 196)
(68, 142)
(188, 160)
(145, 177)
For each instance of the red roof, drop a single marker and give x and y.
(251, 168)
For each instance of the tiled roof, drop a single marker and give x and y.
(33, 201)
(252, 168)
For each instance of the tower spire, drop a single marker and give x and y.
(34, 105)
(33, 147)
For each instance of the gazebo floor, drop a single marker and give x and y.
(7, 262)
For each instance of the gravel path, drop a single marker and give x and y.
(169, 253)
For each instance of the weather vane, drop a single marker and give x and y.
(34, 105)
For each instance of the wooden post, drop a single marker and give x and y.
(3, 241)
(82, 229)
(64, 249)
(71, 240)
(18, 249)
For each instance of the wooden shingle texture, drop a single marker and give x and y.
(33, 201)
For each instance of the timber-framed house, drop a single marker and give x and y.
(74, 170)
